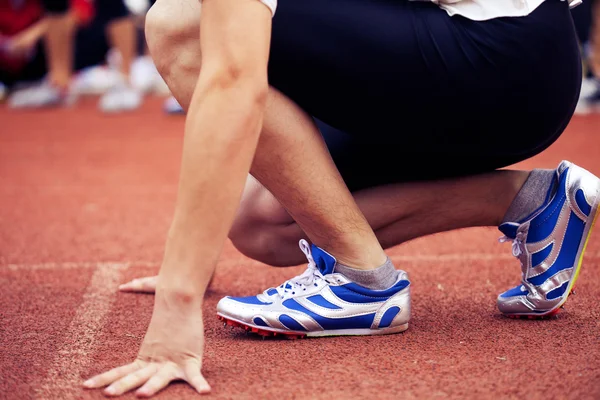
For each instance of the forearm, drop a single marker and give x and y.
(221, 134)
(39, 28)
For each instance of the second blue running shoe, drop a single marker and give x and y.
(320, 302)
(550, 244)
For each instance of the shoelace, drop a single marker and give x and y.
(518, 248)
(312, 275)
(517, 243)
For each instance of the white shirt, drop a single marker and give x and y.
(478, 10)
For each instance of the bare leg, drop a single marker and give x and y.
(309, 185)
(59, 45)
(121, 35)
(398, 212)
(312, 191)
(263, 230)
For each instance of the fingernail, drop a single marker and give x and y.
(110, 390)
(88, 383)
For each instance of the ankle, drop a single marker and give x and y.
(359, 257)
(529, 193)
(380, 278)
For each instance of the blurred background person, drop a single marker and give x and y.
(594, 98)
(139, 8)
(44, 42)
(587, 24)
(22, 28)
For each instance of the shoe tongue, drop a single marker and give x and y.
(325, 262)
(509, 229)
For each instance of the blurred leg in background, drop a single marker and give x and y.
(122, 37)
(23, 27)
(145, 77)
(594, 98)
(80, 34)
(587, 23)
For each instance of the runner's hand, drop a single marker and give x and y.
(171, 350)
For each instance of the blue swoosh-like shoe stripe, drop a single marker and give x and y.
(321, 301)
(582, 203)
(291, 323)
(568, 251)
(388, 316)
(540, 256)
(358, 322)
(259, 321)
(558, 292)
(542, 226)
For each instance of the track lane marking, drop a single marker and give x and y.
(79, 340)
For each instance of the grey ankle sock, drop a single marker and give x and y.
(536, 190)
(380, 278)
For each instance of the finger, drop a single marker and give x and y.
(194, 377)
(135, 285)
(131, 381)
(109, 377)
(145, 285)
(158, 381)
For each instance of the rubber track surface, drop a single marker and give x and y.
(85, 203)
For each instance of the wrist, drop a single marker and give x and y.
(179, 297)
(181, 282)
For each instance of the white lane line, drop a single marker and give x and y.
(76, 265)
(73, 357)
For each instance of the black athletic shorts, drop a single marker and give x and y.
(402, 91)
(106, 10)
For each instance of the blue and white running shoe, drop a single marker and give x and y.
(550, 244)
(320, 302)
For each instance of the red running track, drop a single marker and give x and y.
(85, 202)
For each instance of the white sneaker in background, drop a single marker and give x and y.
(120, 98)
(40, 95)
(144, 76)
(137, 7)
(588, 87)
(95, 80)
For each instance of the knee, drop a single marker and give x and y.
(264, 231)
(170, 29)
(261, 229)
(258, 239)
